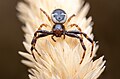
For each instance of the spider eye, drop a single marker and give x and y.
(54, 16)
(59, 16)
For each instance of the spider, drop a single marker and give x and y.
(59, 21)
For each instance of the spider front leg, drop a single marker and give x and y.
(81, 41)
(35, 34)
(86, 36)
(47, 15)
(71, 25)
(34, 40)
(77, 28)
(69, 19)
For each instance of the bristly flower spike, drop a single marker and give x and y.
(60, 59)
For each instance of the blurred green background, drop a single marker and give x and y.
(106, 16)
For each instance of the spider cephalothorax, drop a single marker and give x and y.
(59, 20)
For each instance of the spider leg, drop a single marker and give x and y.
(46, 15)
(71, 25)
(69, 19)
(53, 38)
(86, 36)
(35, 34)
(34, 40)
(81, 41)
(64, 36)
(77, 28)
(42, 26)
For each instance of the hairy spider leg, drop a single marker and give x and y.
(81, 41)
(52, 37)
(71, 25)
(63, 36)
(44, 33)
(47, 16)
(69, 19)
(91, 42)
(35, 34)
(86, 36)
(77, 28)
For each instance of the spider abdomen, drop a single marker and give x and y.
(58, 29)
